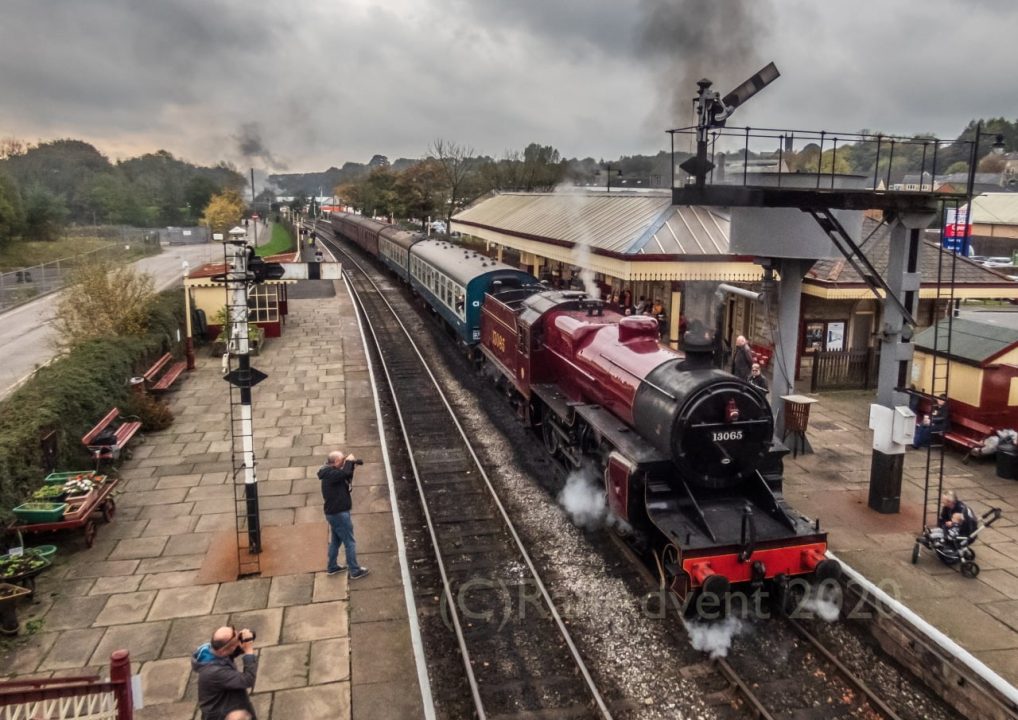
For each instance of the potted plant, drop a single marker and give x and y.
(79, 487)
(9, 595)
(50, 493)
(255, 334)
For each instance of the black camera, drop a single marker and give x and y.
(358, 462)
(246, 638)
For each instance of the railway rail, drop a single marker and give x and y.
(773, 685)
(518, 655)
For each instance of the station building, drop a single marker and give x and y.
(638, 244)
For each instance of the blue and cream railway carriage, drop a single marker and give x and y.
(454, 280)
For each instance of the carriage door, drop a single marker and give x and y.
(617, 477)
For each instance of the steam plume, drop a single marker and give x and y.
(691, 39)
(251, 146)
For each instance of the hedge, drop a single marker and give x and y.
(70, 395)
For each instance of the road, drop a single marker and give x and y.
(1006, 317)
(27, 337)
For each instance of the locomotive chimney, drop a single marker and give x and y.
(698, 344)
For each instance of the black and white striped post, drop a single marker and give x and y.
(243, 269)
(238, 278)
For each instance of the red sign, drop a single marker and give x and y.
(957, 230)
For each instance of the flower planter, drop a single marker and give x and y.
(61, 477)
(9, 596)
(40, 512)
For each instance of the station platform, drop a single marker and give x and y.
(153, 582)
(832, 484)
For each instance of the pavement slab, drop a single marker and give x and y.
(145, 641)
(315, 622)
(164, 681)
(291, 590)
(68, 613)
(138, 548)
(126, 608)
(183, 602)
(283, 666)
(247, 594)
(330, 661)
(318, 702)
(72, 649)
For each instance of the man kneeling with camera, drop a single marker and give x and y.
(221, 687)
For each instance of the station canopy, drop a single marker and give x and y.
(624, 234)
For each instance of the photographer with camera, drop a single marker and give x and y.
(222, 688)
(337, 476)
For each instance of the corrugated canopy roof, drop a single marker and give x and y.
(620, 222)
(971, 341)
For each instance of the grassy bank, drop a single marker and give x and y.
(280, 242)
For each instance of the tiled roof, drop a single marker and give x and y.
(972, 341)
(625, 223)
(876, 244)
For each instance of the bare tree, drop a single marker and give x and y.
(455, 165)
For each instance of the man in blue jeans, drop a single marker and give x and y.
(336, 476)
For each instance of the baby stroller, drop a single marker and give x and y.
(952, 547)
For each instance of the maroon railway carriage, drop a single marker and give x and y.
(360, 230)
(686, 450)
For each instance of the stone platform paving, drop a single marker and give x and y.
(328, 650)
(980, 614)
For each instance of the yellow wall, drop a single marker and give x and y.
(966, 381)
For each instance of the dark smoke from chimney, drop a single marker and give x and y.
(250, 145)
(692, 39)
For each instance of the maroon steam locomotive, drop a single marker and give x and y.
(686, 450)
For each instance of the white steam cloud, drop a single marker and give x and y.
(713, 638)
(584, 501)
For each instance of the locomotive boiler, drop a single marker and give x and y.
(686, 450)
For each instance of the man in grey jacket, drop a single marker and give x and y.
(221, 687)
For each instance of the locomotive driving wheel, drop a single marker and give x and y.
(548, 434)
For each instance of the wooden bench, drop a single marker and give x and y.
(168, 377)
(120, 436)
(967, 434)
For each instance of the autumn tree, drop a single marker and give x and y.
(420, 191)
(103, 301)
(12, 216)
(454, 161)
(224, 211)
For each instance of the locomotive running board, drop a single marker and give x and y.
(762, 494)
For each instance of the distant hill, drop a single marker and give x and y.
(316, 183)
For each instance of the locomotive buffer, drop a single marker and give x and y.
(244, 269)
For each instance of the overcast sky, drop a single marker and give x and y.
(306, 84)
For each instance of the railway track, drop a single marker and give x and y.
(517, 654)
(803, 680)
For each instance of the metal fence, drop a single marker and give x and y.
(71, 697)
(21, 285)
(845, 370)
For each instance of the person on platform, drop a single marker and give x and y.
(222, 688)
(337, 476)
(956, 518)
(757, 378)
(933, 425)
(742, 359)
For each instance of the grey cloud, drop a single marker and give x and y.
(322, 83)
